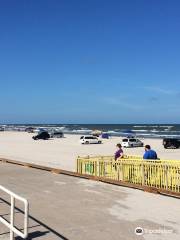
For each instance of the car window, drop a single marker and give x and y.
(81, 137)
(44, 133)
(125, 140)
(90, 138)
(132, 140)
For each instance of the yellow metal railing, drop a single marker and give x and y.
(164, 174)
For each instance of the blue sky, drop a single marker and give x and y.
(93, 61)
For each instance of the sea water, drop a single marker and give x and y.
(140, 130)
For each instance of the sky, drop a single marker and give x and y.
(93, 61)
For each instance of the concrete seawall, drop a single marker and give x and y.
(64, 207)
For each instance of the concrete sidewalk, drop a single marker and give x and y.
(69, 208)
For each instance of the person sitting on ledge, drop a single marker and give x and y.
(149, 153)
(119, 152)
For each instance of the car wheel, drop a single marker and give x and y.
(99, 142)
(87, 142)
(131, 145)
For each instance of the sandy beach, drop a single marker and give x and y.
(62, 153)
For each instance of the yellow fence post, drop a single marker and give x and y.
(166, 175)
(143, 173)
(118, 171)
(121, 171)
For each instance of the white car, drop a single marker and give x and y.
(132, 142)
(89, 140)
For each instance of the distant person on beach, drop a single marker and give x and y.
(119, 152)
(149, 153)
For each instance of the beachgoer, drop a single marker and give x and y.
(119, 152)
(149, 153)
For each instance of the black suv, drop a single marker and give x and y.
(42, 135)
(171, 142)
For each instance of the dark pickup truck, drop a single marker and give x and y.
(42, 135)
(171, 142)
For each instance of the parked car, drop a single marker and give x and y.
(57, 134)
(171, 142)
(132, 142)
(89, 140)
(29, 129)
(42, 135)
(39, 130)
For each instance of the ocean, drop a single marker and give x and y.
(140, 130)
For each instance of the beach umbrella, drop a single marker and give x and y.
(96, 132)
(105, 135)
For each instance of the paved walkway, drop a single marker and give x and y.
(68, 208)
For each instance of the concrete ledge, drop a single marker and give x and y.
(90, 177)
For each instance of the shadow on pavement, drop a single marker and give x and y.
(36, 234)
(33, 235)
